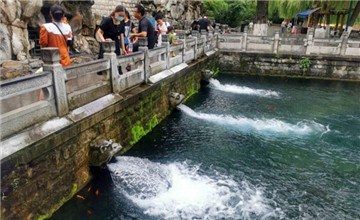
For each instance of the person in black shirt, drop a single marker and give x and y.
(204, 24)
(145, 29)
(111, 28)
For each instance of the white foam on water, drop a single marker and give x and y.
(178, 191)
(261, 125)
(241, 89)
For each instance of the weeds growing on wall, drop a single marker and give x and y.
(305, 64)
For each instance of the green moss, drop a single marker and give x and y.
(244, 64)
(215, 71)
(192, 90)
(60, 203)
(138, 131)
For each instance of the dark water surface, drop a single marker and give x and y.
(260, 148)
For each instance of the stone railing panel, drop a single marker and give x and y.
(292, 45)
(158, 61)
(230, 42)
(26, 101)
(353, 48)
(176, 54)
(259, 44)
(189, 50)
(87, 82)
(132, 68)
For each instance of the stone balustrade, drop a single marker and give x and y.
(36, 98)
(32, 99)
(277, 44)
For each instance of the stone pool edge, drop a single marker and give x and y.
(41, 176)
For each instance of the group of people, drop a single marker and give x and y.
(288, 27)
(116, 27)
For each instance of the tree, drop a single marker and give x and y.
(261, 25)
(262, 11)
(233, 13)
(355, 14)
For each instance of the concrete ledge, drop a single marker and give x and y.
(13, 145)
(166, 73)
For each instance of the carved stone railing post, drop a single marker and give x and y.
(310, 41)
(51, 58)
(203, 32)
(113, 73)
(165, 41)
(143, 43)
(244, 42)
(195, 47)
(182, 37)
(344, 42)
(276, 42)
(204, 43)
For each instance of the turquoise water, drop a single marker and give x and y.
(241, 148)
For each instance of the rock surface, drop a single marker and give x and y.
(18, 15)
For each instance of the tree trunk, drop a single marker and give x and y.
(260, 26)
(355, 14)
(262, 11)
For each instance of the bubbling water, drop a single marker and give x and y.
(179, 191)
(260, 125)
(215, 84)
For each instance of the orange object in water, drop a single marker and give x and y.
(97, 192)
(89, 189)
(80, 197)
(89, 212)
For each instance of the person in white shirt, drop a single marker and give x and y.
(251, 26)
(283, 26)
(161, 28)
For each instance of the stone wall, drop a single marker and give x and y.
(105, 7)
(18, 16)
(39, 179)
(291, 65)
(179, 13)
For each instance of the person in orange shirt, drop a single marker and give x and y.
(56, 34)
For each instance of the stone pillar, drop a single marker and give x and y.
(309, 39)
(343, 46)
(181, 34)
(165, 42)
(195, 47)
(217, 29)
(195, 33)
(217, 40)
(143, 46)
(276, 42)
(204, 43)
(113, 73)
(203, 33)
(243, 49)
(51, 58)
(183, 42)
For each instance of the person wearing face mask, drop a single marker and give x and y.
(111, 29)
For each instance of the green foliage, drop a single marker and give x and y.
(138, 131)
(215, 71)
(286, 9)
(236, 13)
(305, 63)
(233, 13)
